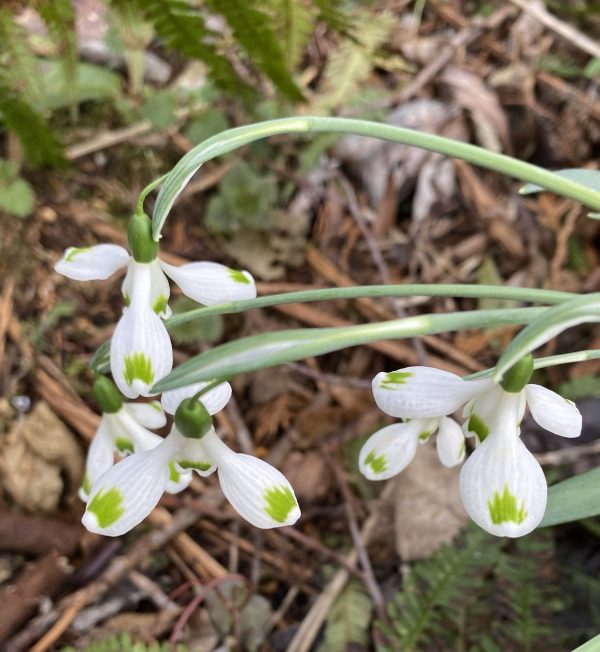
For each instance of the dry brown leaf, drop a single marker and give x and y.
(33, 457)
(309, 474)
(428, 510)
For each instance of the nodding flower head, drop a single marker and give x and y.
(141, 352)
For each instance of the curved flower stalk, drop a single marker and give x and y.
(130, 490)
(124, 429)
(502, 486)
(141, 352)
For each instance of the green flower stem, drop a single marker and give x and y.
(232, 139)
(358, 292)
(139, 207)
(276, 348)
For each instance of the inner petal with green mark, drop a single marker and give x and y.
(107, 506)
(86, 483)
(238, 276)
(138, 366)
(395, 378)
(503, 508)
(124, 444)
(160, 305)
(478, 426)
(75, 251)
(425, 435)
(280, 502)
(198, 466)
(378, 463)
(174, 475)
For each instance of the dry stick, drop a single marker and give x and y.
(63, 615)
(6, 304)
(572, 34)
(564, 455)
(369, 577)
(331, 379)
(310, 626)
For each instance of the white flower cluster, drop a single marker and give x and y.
(502, 486)
(121, 495)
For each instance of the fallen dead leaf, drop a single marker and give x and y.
(309, 474)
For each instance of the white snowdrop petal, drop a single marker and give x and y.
(92, 263)
(450, 442)
(481, 412)
(421, 392)
(502, 486)
(553, 412)
(129, 491)
(211, 283)
(192, 456)
(214, 400)
(389, 450)
(140, 351)
(100, 456)
(160, 293)
(150, 415)
(178, 479)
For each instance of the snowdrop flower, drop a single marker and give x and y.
(391, 449)
(123, 429)
(128, 492)
(502, 486)
(141, 352)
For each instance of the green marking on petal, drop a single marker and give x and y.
(425, 435)
(155, 405)
(462, 449)
(478, 426)
(126, 299)
(239, 276)
(174, 475)
(107, 506)
(75, 251)
(280, 502)
(395, 378)
(86, 484)
(378, 463)
(198, 466)
(138, 366)
(124, 444)
(160, 305)
(504, 508)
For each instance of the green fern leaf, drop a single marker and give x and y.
(294, 21)
(182, 28)
(348, 620)
(253, 30)
(335, 16)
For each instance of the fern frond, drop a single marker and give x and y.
(40, 145)
(335, 16)
(59, 17)
(253, 30)
(347, 622)
(294, 20)
(182, 28)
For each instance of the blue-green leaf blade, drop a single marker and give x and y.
(573, 499)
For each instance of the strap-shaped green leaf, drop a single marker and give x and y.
(573, 499)
(554, 321)
(589, 178)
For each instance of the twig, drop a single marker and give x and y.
(572, 34)
(331, 379)
(565, 455)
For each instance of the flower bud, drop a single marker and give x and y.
(139, 235)
(518, 375)
(192, 419)
(107, 395)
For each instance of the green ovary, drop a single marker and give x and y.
(378, 463)
(238, 276)
(478, 426)
(198, 466)
(503, 508)
(395, 378)
(280, 502)
(138, 366)
(107, 507)
(75, 251)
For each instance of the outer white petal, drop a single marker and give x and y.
(553, 412)
(150, 415)
(258, 491)
(421, 392)
(140, 352)
(214, 400)
(192, 456)
(92, 263)
(450, 442)
(159, 296)
(502, 486)
(389, 450)
(211, 283)
(129, 491)
(100, 456)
